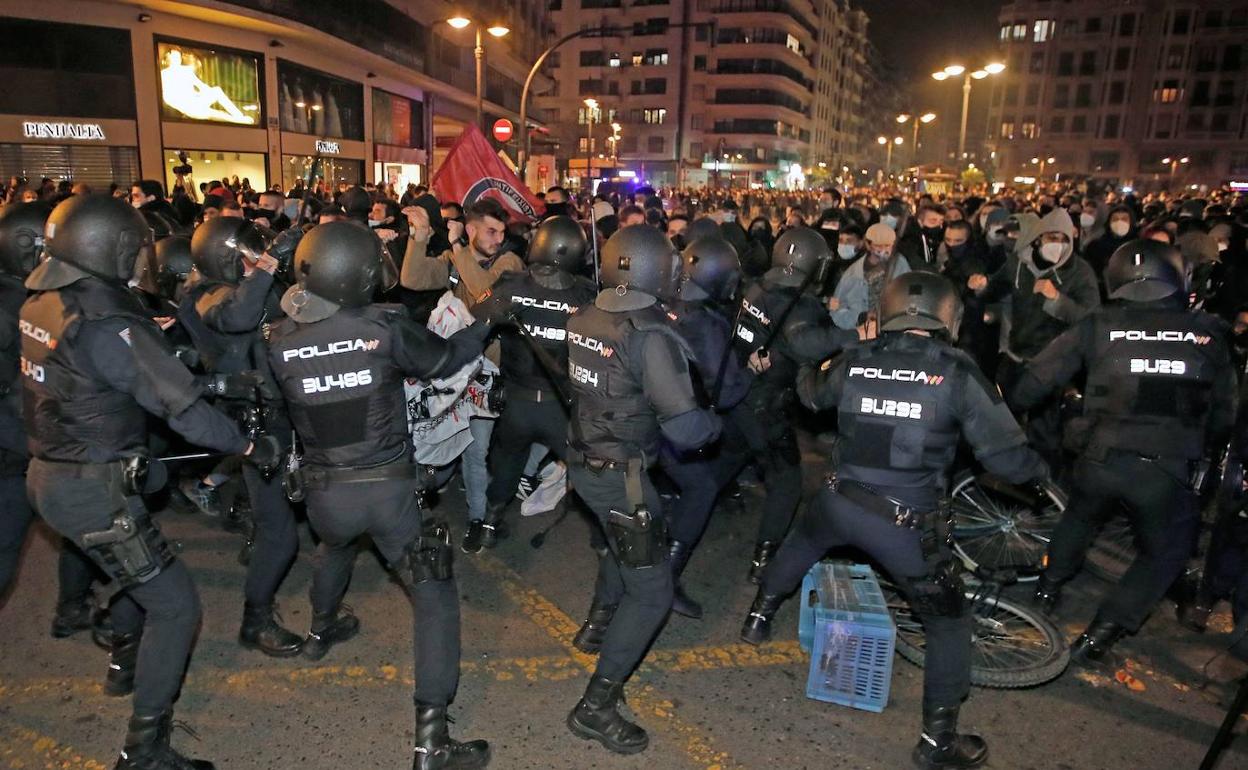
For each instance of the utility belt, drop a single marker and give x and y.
(139, 475)
(639, 536)
(940, 591)
(600, 464)
(325, 476)
(531, 395)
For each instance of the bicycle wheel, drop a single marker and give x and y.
(1012, 646)
(999, 526)
(1113, 550)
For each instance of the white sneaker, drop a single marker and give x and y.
(548, 494)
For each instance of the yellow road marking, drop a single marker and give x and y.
(28, 749)
(645, 700)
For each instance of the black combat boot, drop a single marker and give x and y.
(147, 747)
(594, 630)
(762, 555)
(122, 660)
(941, 746)
(261, 631)
(1195, 607)
(329, 629)
(682, 604)
(757, 626)
(596, 718)
(436, 751)
(1094, 643)
(1048, 594)
(73, 615)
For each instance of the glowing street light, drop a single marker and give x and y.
(953, 70)
(478, 53)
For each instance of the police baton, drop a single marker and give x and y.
(593, 240)
(788, 310)
(722, 369)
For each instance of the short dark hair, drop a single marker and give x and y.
(933, 207)
(629, 211)
(851, 229)
(558, 189)
(151, 187)
(678, 217)
(959, 224)
(486, 207)
(459, 210)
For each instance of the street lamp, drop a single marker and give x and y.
(1042, 162)
(883, 140)
(919, 120)
(478, 53)
(615, 144)
(952, 71)
(590, 106)
(1174, 164)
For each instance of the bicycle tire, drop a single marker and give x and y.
(1045, 669)
(1001, 534)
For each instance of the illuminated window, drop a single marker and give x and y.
(656, 116)
(211, 85)
(1042, 30)
(1007, 130)
(1029, 130)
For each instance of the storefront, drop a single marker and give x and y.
(398, 140)
(212, 113)
(72, 116)
(321, 116)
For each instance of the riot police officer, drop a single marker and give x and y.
(224, 310)
(710, 275)
(630, 376)
(21, 243)
(92, 365)
(1160, 395)
(340, 362)
(541, 299)
(774, 311)
(902, 401)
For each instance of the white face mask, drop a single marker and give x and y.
(1052, 252)
(846, 250)
(137, 204)
(1119, 227)
(889, 220)
(1086, 219)
(374, 223)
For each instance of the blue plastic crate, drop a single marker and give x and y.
(844, 621)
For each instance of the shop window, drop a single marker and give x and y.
(397, 120)
(212, 85)
(65, 70)
(211, 165)
(333, 172)
(312, 102)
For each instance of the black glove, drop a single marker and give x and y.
(266, 453)
(240, 385)
(283, 250)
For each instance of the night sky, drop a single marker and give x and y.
(917, 38)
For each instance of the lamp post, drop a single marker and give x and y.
(615, 144)
(896, 141)
(590, 106)
(478, 53)
(918, 120)
(1174, 163)
(952, 71)
(1042, 162)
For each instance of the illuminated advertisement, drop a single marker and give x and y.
(208, 85)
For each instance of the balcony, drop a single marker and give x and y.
(804, 17)
(763, 67)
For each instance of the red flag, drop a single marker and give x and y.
(472, 171)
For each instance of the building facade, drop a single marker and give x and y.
(714, 92)
(1146, 94)
(111, 92)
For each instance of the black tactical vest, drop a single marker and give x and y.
(1150, 375)
(342, 386)
(544, 313)
(70, 415)
(612, 419)
(897, 415)
(12, 433)
(762, 306)
(220, 352)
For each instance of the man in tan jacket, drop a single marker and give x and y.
(468, 271)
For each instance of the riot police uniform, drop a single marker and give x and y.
(340, 362)
(21, 242)
(93, 365)
(710, 275)
(777, 317)
(1160, 394)
(631, 384)
(224, 312)
(903, 400)
(540, 300)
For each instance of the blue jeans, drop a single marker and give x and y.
(476, 473)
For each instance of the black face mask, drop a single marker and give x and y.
(678, 240)
(933, 233)
(557, 209)
(957, 252)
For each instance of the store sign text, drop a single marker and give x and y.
(83, 131)
(327, 148)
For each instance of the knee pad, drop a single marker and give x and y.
(132, 551)
(428, 557)
(640, 539)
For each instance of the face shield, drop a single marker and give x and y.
(389, 271)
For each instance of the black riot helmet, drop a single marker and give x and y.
(162, 276)
(1145, 270)
(711, 270)
(219, 245)
(338, 264)
(641, 258)
(921, 300)
(356, 203)
(798, 255)
(702, 227)
(560, 243)
(96, 235)
(21, 237)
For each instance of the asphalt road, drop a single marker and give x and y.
(709, 701)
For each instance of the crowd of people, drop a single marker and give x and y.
(341, 353)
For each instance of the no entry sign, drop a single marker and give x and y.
(503, 130)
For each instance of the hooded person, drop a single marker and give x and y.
(1050, 289)
(1205, 270)
(754, 260)
(1120, 227)
(993, 239)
